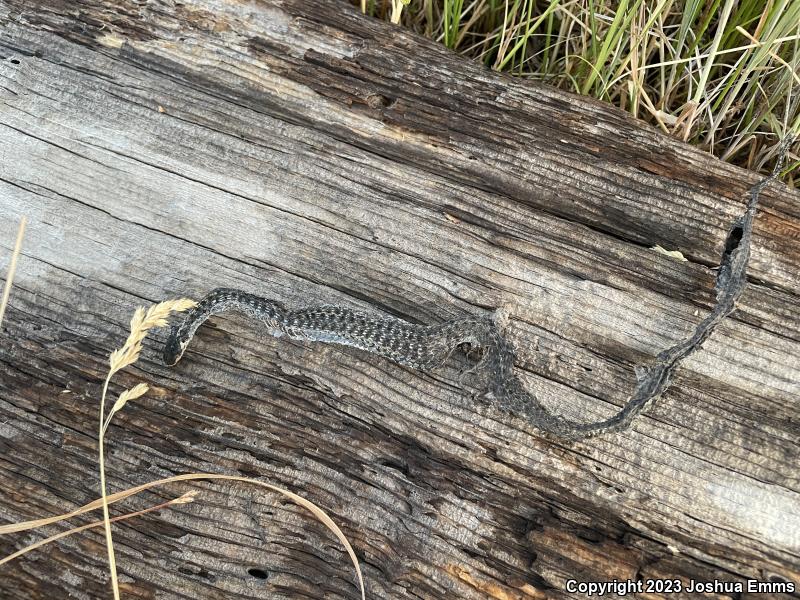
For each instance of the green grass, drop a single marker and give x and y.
(719, 74)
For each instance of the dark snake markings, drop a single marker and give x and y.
(425, 347)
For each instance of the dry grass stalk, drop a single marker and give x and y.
(141, 323)
(12, 267)
(140, 389)
(719, 74)
(315, 510)
(184, 499)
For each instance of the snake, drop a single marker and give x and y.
(426, 347)
(421, 347)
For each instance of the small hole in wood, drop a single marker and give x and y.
(14, 61)
(258, 573)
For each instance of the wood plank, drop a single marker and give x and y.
(312, 155)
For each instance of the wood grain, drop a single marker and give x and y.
(310, 154)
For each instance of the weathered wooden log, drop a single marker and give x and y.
(310, 154)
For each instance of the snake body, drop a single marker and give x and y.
(422, 347)
(428, 346)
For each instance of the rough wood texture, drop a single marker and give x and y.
(309, 154)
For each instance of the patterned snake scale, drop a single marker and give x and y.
(425, 347)
(417, 346)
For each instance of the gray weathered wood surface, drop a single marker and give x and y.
(305, 152)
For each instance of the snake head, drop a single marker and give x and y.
(173, 349)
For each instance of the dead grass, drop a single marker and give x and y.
(141, 323)
(719, 74)
(12, 267)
